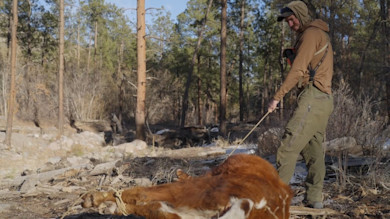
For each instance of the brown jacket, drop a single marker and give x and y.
(310, 39)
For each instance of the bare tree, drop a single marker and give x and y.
(240, 70)
(95, 42)
(385, 15)
(121, 84)
(190, 72)
(61, 73)
(223, 98)
(141, 71)
(89, 52)
(199, 100)
(12, 94)
(387, 30)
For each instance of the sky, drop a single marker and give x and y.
(175, 7)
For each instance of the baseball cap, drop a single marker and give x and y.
(284, 12)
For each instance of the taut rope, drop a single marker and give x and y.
(250, 132)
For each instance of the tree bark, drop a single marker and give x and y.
(199, 85)
(190, 72)
(78, 46)
(363, 55)
(61, 73)
(89, 52)
(141, 71)
(121, 83)
(241, 57)
(386, 35)
(223, 98)
(95, 45)
(12, 94)
(266, 83)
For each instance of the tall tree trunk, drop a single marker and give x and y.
(61, 73)
(199, 85)
(7, 67)
(141, 71)
(388, 60)
(121, 83)
(4, 88)
(363, 55)
(266, 83)
(385, 13)
(95, 45)
(89, 52)
(190, 72)
(12, 94)
(223, 98)
(240, 71)
(78, 48)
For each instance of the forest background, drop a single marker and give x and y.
(183, 62)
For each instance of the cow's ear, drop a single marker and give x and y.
(181, 175)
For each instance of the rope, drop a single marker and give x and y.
(119, 201)
(74, 203)
(250, 132)
(118, 193)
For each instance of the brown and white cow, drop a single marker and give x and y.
(244, 186)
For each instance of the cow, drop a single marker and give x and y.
(243, 186)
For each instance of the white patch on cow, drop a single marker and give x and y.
(235, 210)
(261, 204)
(186, 213)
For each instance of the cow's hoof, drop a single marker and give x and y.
(93, 199)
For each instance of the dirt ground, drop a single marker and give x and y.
(59, 197)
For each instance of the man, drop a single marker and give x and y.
(312, 71)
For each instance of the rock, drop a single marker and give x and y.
(104, 168)
(130, 148)
(142, 182)
(4, 207)
(78, 161)
(269, 141)
(29, 184)
(54, 160)
(347, 144)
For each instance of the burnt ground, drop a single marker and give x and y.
(355, 201)
(364, 192)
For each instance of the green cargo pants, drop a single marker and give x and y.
(304, 134)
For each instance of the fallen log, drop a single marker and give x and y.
(30, 181)
(193, 152)
(300, 210)
(347, 144)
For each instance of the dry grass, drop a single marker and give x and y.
(355, 117)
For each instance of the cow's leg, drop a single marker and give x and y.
(142, 201)
(131, 196)
(94, 199)
(152, 210)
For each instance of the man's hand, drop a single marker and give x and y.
(272, 105)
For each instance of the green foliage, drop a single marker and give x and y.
(103, 81)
